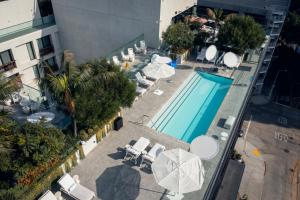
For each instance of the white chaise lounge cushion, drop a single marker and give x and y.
(66, 182)
(141, 144)
(154, 152)
(48, 195)
(82, 193)
(142, 80)
(74, 189)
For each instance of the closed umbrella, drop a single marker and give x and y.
(178, 171)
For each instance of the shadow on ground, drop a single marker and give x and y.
(118, 183)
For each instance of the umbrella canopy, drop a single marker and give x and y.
(160, 59)
(178, 171)
(158, 71)
(211, 52)
(41, 116)
(231, 60)
(205, 147)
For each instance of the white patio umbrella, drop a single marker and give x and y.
(158, 71)
(211, 52)
(231, 60)
(160, 59)
(178, 171)
(41, 116)
(205, 147)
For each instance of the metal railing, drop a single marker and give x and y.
(35, 23)
(8, 66)
(124, 47)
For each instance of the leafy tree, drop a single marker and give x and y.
(108, 90)
(241, 33)
(291, 29)
(63, 85)
(200, 38)
(37, 144)
(179, 36)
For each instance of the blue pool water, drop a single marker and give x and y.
(192, 108)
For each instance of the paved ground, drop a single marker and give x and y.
(271, 151)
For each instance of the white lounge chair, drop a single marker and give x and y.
(73, 189)
(136, 150)
(124, 57)
(149, 157)
(48, 195)
(143, 81)
(131, 54)
(201, 55)
(140, 91)
(137, 49)
(116, 60)
(143, 46)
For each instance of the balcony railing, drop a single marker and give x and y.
(36, 23)
(46, 50)
(8, 66)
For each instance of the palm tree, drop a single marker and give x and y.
(215, 14)
(63, 85)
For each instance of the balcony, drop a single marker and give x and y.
(46, 50)
(7, 67)
(26, 27)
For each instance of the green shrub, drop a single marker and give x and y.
(179, 36)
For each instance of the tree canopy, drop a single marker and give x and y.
(108, 90)
(291, 29)
(179, 36)
(240, 33)
(23, 149)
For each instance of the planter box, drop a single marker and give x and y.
(181, 58)
(89, 145)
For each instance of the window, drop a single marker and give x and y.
(45, 7)
(44, 42)
(6, 57)
(45, 45)
(52, 64)
(30, 50)
(36, 71)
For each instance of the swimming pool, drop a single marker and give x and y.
(192, 108)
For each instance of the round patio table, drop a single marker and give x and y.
(205, 147)
(41, 116)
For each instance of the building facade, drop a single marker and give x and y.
(94, 28)
(28, 37)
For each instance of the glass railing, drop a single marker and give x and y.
(36, 23)
(32, 93)
(124, 47)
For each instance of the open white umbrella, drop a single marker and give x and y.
(231, 60)
(160, 59)
(178, 171)
(158, 71)
(41, 116)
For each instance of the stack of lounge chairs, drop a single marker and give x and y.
(139, 149)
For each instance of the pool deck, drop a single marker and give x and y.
(106, 173)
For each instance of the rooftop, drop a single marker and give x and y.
(106, 173)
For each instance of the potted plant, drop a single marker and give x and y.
(180, 38)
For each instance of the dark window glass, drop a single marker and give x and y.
(45, 7)
(6, 57)
(44, 42)
(30, 50)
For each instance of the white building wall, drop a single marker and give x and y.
(169, 9)
(21, 56)
(14, 12)
(93, 28)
